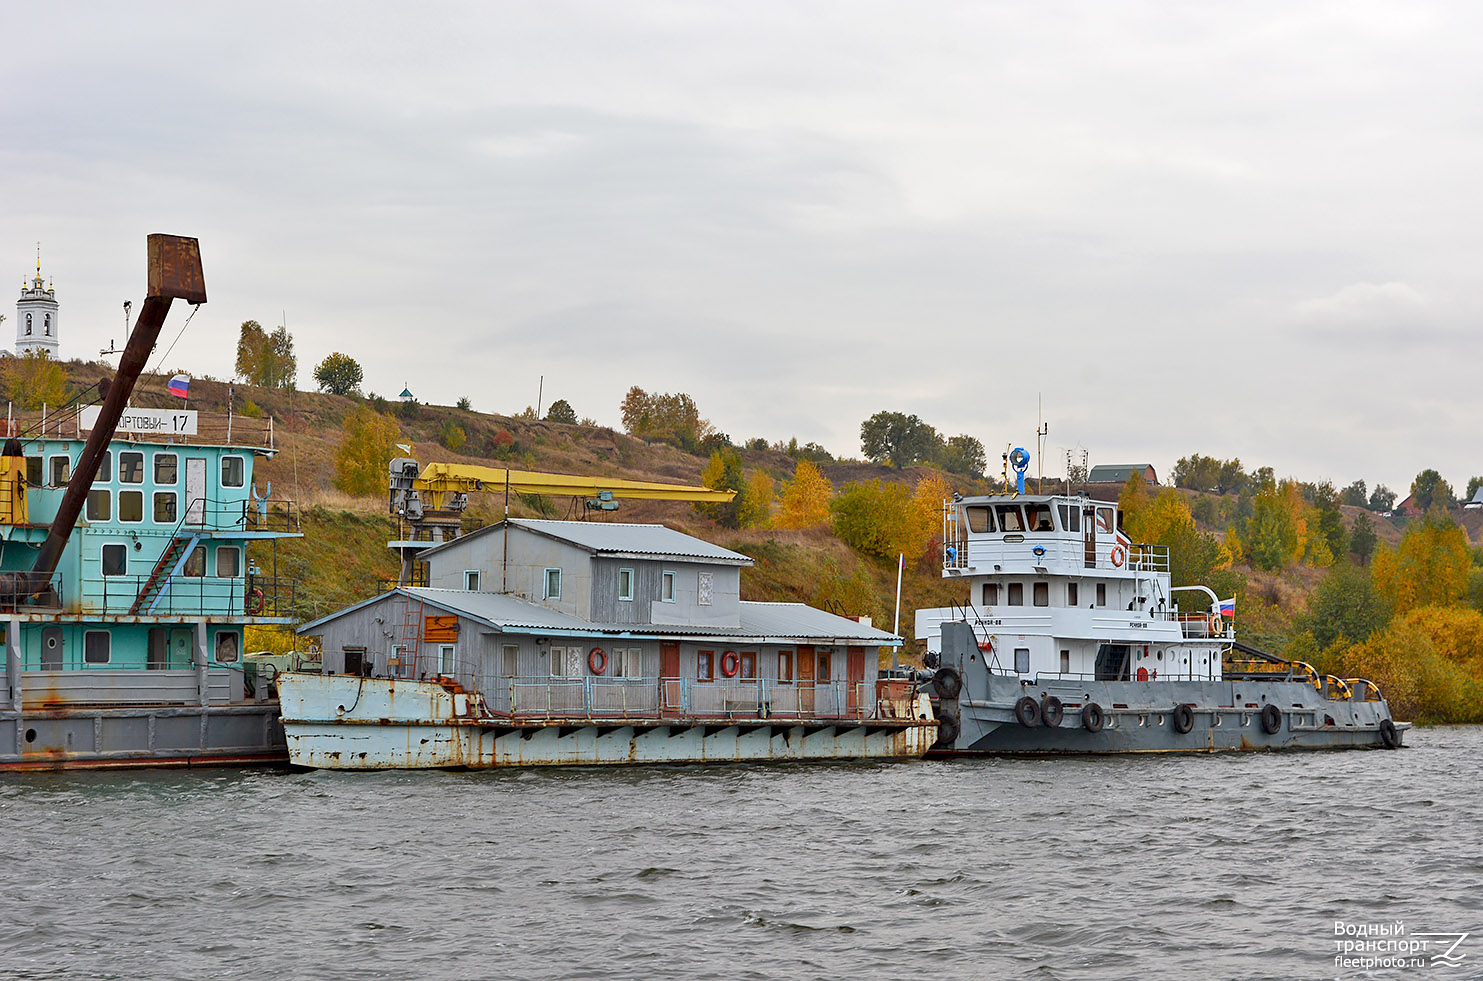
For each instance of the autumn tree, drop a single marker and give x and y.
(451, 435)
(806, 497)
(881, 519)
(724, 472)
(670, 418)
(1271, 538)
(561, 411)
(339, 374)
(266, 359)
(35, 380)
(1429, 489)
(756, 506)
(1429, 568)
(368, 444)
(1345, 606)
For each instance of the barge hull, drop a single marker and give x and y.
(152, 736)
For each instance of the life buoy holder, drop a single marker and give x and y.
(597, 660)
(1118, 556)
(730, 664)
(254, 601)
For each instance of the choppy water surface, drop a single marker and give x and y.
(1179, 867)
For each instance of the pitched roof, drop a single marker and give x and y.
(1109, 473)
(617, 539)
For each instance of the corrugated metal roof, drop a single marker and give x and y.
(1116, 472)
(616, 538)
(796, 620)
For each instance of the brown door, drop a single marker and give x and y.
(669, 677)
(855, 676)
(805, 666)
(1089, 531)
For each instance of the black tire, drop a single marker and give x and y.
(1184, 718)
(947, 683)
(1271, 719)
(1092, 718)
(1051, 712)
(1389, 738)
(947, 732)
(1027, 711)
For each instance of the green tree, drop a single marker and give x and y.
(1473, 484)
(451, 435)
(1345, 606)
(339, 374)
(1362, 539)
(1382, 498)
(561, 411)
(671, 418)
(964, 455)
(1429, 489)
(1330, 521)
(464, 404)
(266, 359)
(252, 343)
(1354, 495)
(35, 380)
(899, 439)
(368, 444)
(1271, 534)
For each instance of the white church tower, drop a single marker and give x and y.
(36, 316)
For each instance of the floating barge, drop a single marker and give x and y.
(555, 642)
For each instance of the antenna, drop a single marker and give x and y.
(110, 349)
(1042, 429)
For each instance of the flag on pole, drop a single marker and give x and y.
(180, 386)
(1228, 608)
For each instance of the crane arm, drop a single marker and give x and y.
(440, 479)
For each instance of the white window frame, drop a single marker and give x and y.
(220, 550)
(51, 469)
(471, 580)
(546, 581)
(106, 495)
(447, 659)
(156, 473)
(557, 667)
(221, 469)
(128, 453)
(154, 507)
(667, 587)
(625, 585)
(102, 566)
(118, 506)
(107, 648)
(216, 647)
(510, 660)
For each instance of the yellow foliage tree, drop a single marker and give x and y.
(806, 498)
(367, 447)
(756, 503)
(1428, 663)
(927, 502)
(36, 380)
(1430, 567)
(1156, 518)
(880, 519)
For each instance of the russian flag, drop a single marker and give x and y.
(1228, 608)
(180, 385)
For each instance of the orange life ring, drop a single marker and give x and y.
(1118, 555)
(254, 602)
(730, 664)
(597, 660)
(1215, 624)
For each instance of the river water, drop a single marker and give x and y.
(1162, 867)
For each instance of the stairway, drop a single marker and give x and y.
(169, 565)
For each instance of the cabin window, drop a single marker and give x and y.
(749, 665)
(115, 560)
(228, 562)
(1037, 517)
(471, 580)
(233, 471)
(705, 665)
(1065, 662)
(131, 505)
(558, 662)
(33, 471)
(705, 586)
(226, 647)
(61, 470)
(825, 662)
(166, 468)
(625, 585)
(991, 594)
(1040, 594)
(511, 654)
(1105, 521)
(1070, 517)
(628, 662)
(105, 466)
(195, 565)
(1072, 595)
(980, 519)
(1016, 594)
(97, 646)
(785, 666)
(131, 467)
(553, 584)
(100, 505)
(667, 587)
(1022, 660)
(1101, 594)
(164, 507)
(1010, 518)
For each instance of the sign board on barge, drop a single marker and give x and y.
(147, 422)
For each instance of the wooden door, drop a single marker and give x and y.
(854, 677)
(669, 678)
(805, 667)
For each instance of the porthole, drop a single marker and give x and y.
(30, 735)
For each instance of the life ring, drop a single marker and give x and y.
(1092, 718)
(1271, 719)
(1184, 718)
(1027, 712)
(730, 664)
(947, 683)
(597, 660)
(1051, 711)
(1389, 738)
(1118, 555)
(1215, 625)
(1142, 674)
(254, 601)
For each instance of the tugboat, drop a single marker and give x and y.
(1072, 643)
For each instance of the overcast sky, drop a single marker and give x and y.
(1238, 229)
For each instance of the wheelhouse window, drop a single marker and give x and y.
(991, 594)
(1106, 521)
(97, 646)
(1010, 518)
(233, 471)
(785, 666)
(61, 470)
(105, 466)
(228, 561)
(1070, 517)
(553, 584)
(1037, 517)
(625, 585)
(130, 505)
(1016, 594)
(166, 468)
(1040, 594)
(34, 472)
(131, 467)
(196, 564)
(100, 505)
(667, 587)
(980, 519)
(115, 560)
(705, 665)
(164, 507)
(471, 580)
